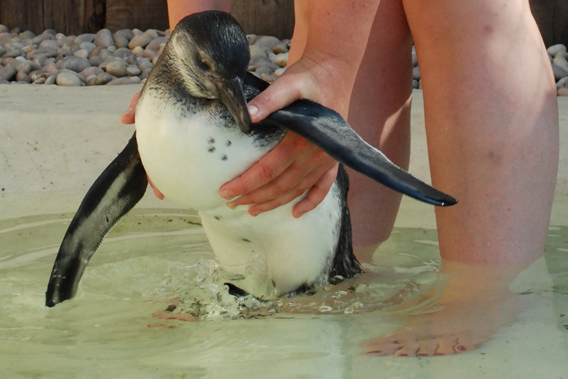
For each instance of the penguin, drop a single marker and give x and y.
(193, 134)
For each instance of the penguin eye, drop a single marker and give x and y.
(203, 64)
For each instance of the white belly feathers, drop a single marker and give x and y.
(189, 158)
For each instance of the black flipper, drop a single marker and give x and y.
(114, 193)
(326, 129)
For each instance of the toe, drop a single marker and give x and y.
(384, 349)
(446, 345)
(427, 348)
(464, 344)
(408, 350)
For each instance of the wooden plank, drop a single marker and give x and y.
(141, 14)
(265, 17)
(561, 22)
(543, 12)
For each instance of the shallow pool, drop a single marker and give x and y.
(158, 257)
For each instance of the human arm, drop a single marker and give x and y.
(329, 56)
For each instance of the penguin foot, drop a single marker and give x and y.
(168, 314)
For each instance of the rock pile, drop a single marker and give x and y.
(104, 58)
(557, 55)
(127, 57)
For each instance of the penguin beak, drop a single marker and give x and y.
(232, 95)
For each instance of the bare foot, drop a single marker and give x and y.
(475, 303)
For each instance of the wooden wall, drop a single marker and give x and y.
(552, 19)
(272, 17)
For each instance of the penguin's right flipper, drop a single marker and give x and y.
(114, 193)
(326, 129)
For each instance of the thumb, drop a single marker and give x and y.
(128, 116)
(283, 92)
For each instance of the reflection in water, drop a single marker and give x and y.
(154, 259)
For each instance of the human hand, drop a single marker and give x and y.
(128, 118)
(295, 165)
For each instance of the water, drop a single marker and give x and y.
(158, 258)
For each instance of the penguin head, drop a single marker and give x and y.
(211, 55)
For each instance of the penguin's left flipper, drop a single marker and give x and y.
(114, 193)
(326, 129)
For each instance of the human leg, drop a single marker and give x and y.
(493, 144)
(178, 9)
(379, 111)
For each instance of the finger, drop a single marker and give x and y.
(267, 168)
(308, 182)
(316, 194)
(286, 182)
(257, 209)
(283, 92)
(157, 192)
(128, 116)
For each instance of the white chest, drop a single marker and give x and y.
(189, 157)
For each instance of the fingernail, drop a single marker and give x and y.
(253, 111)
(130, 110)
(232, 205)
(227, 194)
(254, 213)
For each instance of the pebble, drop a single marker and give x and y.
(280, 48)
(559, 72)
(24, 66)
(145, 73)
(8, 72)
(123, 37)
(416, 73)
(15, 53)
(138, 50)
(133, 71)
(21, 76)
(121, 81)
(279, 72)
(156, 42)
(89, 46)
(561, 62)
(150, 54)
(281, 59)
(123, 52)
(68, 79)
(4, 29)
(563, 92)
(91, 71)
(554, 49)
(87, 37)
(95, 60)
(141, 40)
(2, 51)
(50, 80)
(116, 68)
(50, 43)
(266, 42)
(51, 68)
(257, 51)
(82, 53)
(103, 78)
(104, 38)
(76, 64)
